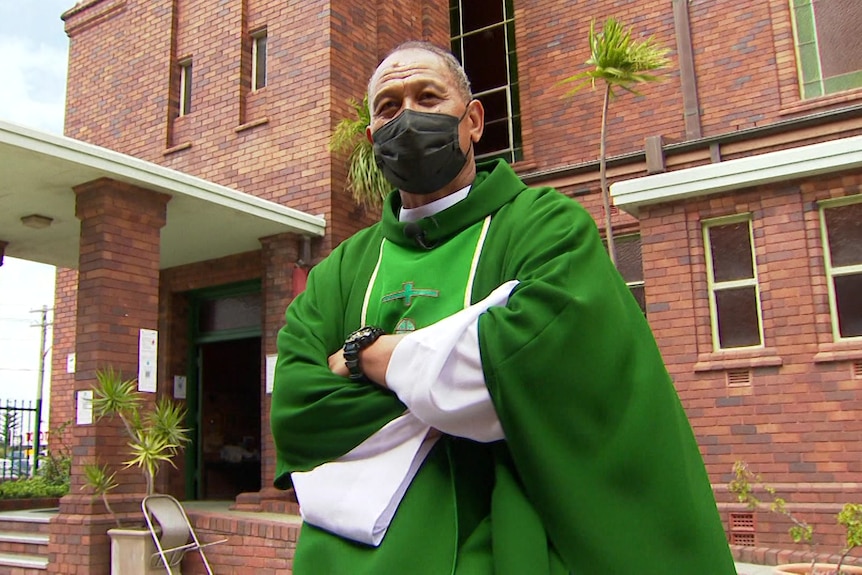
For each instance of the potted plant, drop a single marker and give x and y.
(155, 436)
(743, 485)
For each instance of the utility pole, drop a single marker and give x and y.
(37, 432)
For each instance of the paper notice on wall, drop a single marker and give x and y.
(179, 387)
(147, 351)
(70, 363)
(84, 411)
(270, 371)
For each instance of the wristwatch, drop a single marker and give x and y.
(356, 342)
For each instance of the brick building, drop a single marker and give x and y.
(738, 190)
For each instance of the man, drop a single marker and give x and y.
(468, 386)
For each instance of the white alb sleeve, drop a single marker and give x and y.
(437, 373)
(356, 495)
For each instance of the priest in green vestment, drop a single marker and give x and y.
(467, 387)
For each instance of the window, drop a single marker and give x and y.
(483, 39)
(841, 223)
(828, 52)
(185, 91)
(630, 266)
(734, 296)
(258, 60)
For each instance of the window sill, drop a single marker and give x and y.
(250, 125)
(822, 102)
(737, 359)
(842, 351)
(177, 148)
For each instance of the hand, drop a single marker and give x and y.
(374, 359)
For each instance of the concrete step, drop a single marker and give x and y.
(15, 562)
(23, 543)
(28, 521)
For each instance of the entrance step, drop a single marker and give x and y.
(24, 541)
(21, 564)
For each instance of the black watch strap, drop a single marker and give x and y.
(356, 342)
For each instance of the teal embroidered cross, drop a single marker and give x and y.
(408, 292)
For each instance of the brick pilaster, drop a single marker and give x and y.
(118, 294)
(280, 255)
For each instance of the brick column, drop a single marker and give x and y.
(118, 294)
(280, 255)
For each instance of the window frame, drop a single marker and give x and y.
(812, 84)
(257, 37)
(713, 286)
(184, 93)
(829, 269)
(515, 150)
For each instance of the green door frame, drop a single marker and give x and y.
(194, 454)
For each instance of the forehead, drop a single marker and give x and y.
(410, 64)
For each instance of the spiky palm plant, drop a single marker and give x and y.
(620, 62)
(102, 482)
(365, 181)
(155, 436)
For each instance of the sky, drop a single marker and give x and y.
(33, 61)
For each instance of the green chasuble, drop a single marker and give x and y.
(599, 471)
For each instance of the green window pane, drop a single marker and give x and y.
(738, 322)
(809, 62)
(812, 89)
(805, 25)
(843, 82)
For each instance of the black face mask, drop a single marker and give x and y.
(419, 152)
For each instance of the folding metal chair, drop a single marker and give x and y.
(172, 532)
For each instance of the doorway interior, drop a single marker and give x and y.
(224, 399)
(230, 428)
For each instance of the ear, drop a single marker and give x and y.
(368, 134)
(476, 120)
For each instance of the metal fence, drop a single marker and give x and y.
(18, 441)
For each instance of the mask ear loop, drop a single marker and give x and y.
(471, 151)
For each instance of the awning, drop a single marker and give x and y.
(204, 220)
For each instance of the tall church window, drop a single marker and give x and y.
(483, 39)
(185, 89)
(258, 59)
(841, 224)
(828, 50)
(734, 294)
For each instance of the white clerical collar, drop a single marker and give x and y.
(414, 214)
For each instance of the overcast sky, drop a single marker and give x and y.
(33, 59)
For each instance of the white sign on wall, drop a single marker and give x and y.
(148, 344)
(84, 411)
(270, 371)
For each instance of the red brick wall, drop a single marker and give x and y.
(62, 383)
(797, 423)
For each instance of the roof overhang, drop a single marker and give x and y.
(801, 162)
(38, 172)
